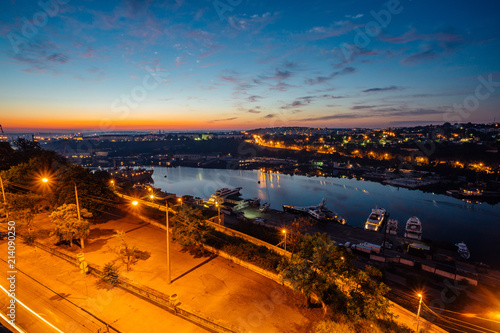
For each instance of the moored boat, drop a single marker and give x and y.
(375, 219)
(413, 228)
(319, 212)
(392, 227)
(463, 250)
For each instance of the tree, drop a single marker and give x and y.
(6, 155)
(319, 268)
(189, 227)
(110, 273)
(22, 208)
(93, 194)
(296, 232)
(68, 226)
(128, 254)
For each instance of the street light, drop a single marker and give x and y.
(135, 203)
(169, 279)
(218, 210)
(180, 200)
(45, 180)
(4, 199)
(419, 308)
(284, 231)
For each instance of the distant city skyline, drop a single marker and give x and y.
(221, 65)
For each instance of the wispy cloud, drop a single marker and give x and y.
(225, 119)
(391, 88)
(254, 98)
(323, 79)
(338, 28)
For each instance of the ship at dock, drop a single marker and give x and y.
(376, 219)
(319, 212)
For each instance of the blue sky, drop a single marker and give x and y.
(108, 65)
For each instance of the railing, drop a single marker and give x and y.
(153, 296)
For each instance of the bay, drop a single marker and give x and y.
(443, 218)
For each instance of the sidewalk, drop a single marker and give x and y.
(211, 285)
(115, 306)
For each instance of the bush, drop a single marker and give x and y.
(110, 273)
(29, 239)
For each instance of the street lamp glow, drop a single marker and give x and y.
(152, 196)
(45, 180)
(135, 203)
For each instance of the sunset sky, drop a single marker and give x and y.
(193, 65)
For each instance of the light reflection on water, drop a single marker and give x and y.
(442, 217)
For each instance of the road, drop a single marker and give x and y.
(57, 311)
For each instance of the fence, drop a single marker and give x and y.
(151, 295)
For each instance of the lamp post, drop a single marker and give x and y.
(4, 199)
(77, 205)
(284, 231)
(418, 312)
(169, 280)
(218, 210)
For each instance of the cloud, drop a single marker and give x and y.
(277, 75)
(433, 46)
(357, 16)
(253, 111)
(254, 23)
(363, 107)
(412, 35)
(178, 61)
(391, 88)
(338, 28)
(336, 116)
(323, 79)
(269, 116)
(254, 98)
(229, 78)
(225, 119)
(281, 86)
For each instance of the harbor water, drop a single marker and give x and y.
(443, 218)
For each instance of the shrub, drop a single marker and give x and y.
(110, 273)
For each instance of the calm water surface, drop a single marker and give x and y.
(443, 218)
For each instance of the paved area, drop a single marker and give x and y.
(211, 285)
(57, 278)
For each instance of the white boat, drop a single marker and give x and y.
(463, 250)
(375, 220)
(413, 228)
(392, 227)
(224, 192)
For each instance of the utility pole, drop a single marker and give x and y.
(169, 280)
(4, 199)
(418, 312)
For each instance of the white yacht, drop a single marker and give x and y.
(413, 228)
(392, 227)
(224, 192)
(463, 250)
(375, 220)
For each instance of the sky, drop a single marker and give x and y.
(241, 64)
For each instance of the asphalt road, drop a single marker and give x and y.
(50, 306)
